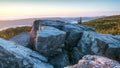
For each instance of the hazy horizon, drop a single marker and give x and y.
(19, 9)
(24, 18)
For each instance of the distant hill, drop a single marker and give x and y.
(106, 25)
(4, 24)
(29, 21)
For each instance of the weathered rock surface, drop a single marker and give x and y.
(102, 44)
(49, 41)
(93, 61)
(74, 33)
(15, 56)
(22, 39)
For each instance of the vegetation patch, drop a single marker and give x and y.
(10, 32)
(106, 25)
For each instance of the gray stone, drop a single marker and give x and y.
(102, 44)
(74, 33)
(49, 40)
(93, 61)
(16, 56)
(22, 39)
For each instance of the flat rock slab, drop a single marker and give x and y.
(16, 56)
(49, 40)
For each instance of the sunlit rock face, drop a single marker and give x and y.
(16, 56)
(49, 41)
(93, 61)
(22, 39)
(100, 44)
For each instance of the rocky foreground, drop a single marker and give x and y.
(55, 44)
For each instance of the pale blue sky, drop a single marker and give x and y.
(57, 8)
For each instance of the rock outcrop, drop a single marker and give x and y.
(16, 56)
(49, 41)
(93, 61)
(100, 44)
(22, 39)
(62, 44)
(80, 40)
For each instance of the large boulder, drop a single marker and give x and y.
(38, 24)
(93, 61)
(49, 41)
(15, 56)
(22, 39)
(74, 33)
(102, 44)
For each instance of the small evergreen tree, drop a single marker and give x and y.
(80, 20)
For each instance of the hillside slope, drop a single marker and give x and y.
(106, 25)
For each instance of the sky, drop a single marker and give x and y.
(15, 9)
